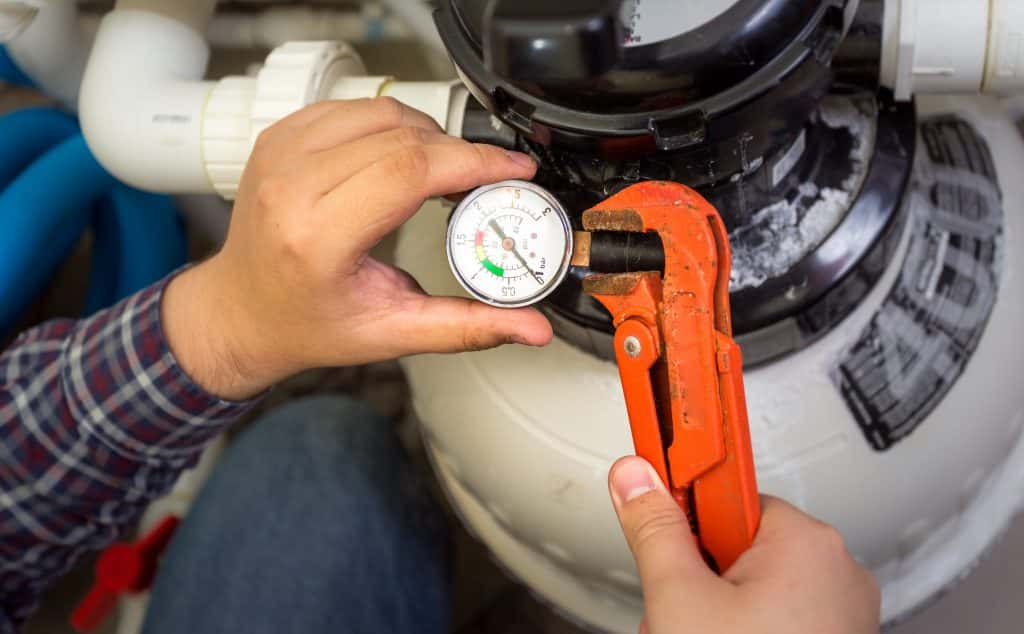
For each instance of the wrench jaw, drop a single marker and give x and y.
(681, 370)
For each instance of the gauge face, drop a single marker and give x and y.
(509, 244)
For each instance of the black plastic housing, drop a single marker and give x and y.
(705, 103)
(731, 108)
(553, 43)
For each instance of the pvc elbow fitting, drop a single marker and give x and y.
(153, 124)
(142, 100)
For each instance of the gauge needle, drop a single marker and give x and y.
(493, 224)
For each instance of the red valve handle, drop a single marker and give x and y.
(122, 568)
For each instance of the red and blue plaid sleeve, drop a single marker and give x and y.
(96, 419)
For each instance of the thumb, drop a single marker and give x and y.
(672, 572)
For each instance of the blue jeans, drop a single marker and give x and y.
(313, 523)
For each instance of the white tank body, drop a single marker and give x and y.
(522, 439)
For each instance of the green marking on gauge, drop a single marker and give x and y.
(482, 256)
(493, 268)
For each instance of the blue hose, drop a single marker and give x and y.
(152, 238)
(51, 182)
(106, 257)
(28, 133)
(138, 240)
(42, 214)
(10, 73)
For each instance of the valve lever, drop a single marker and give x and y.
(123, 568)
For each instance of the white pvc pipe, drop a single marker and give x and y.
(1004, 72)
(52, 51)
(15, 15)
(444, 101)
(953, 46)
(194, 14)
(420, 18)
(277, 25)
(153, 123)
(142, 97)
(241, 107)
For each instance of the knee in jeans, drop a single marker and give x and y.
(328, 429)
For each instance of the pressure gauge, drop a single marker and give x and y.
(509, 244)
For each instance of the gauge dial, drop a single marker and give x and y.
(509, 244)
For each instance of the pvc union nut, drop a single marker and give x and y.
(294, 75)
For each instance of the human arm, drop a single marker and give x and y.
(98, 417)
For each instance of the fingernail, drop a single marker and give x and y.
(520, 159)
(633, 477)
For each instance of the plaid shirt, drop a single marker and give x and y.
(96, 420)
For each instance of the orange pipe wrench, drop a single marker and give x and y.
(682, 373)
